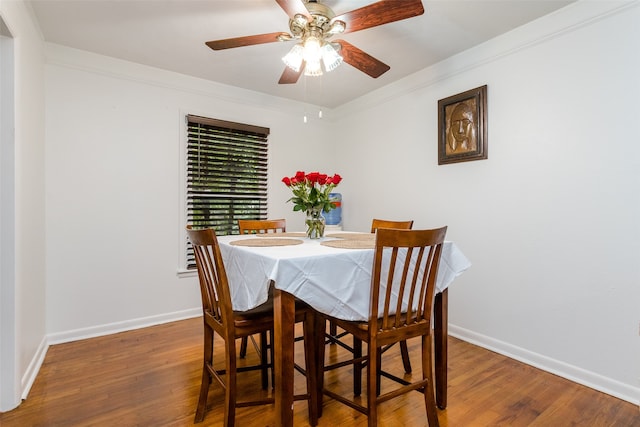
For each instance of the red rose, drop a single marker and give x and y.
(300, 175)
(322, 179)
(287, 181)
(312, 177)
(336, 179)
(329, 180)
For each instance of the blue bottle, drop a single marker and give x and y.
(334, 216)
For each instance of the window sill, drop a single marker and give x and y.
(182, 273)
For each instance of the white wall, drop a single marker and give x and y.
(114, 134)
(28, 289)
(550, 220)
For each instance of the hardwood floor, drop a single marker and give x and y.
(151, 377)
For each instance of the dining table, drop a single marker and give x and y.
(332, 275)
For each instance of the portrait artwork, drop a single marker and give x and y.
(462, 127)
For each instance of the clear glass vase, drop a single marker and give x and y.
(315, 223)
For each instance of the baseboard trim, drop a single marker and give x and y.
(127, 325)
(573, 373)
(96, 331)
(578, 375)
(34, 367)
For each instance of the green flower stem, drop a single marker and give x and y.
(315, 223)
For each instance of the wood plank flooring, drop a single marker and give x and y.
(151, 377)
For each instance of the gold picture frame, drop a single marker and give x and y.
(462, 127)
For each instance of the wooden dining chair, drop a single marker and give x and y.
(334, 336)
(383, 223)
(220, 318)
(405, 268)
(402, 225)
(259, 226)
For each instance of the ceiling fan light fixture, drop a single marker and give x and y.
(313, 69)
(312, 49)
(330, 57)
(294, 58)
(313, 56)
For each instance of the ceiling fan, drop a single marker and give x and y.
(313, 25)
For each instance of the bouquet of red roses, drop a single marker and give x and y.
(311, 190)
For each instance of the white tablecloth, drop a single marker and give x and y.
(333, 281)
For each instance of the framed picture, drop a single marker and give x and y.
(462, 127)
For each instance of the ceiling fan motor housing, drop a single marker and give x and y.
(319, 27)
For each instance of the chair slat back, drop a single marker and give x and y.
(251, 226)
(405, 269)
(214, 287)
(383, 223)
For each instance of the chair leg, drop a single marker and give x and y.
(243, 347)
(201, 409)
(333, 330)
(231, 389)
(404, 351)
(272, 355)
(264, 361)
(427, 373)
(311, 365)
(372, 379)
(378, 374)
(320, 324)
(357, 367)
(204, 392)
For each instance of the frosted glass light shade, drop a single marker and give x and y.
(330, 57)
(313, 69)
(293, 59)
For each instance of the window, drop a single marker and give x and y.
(226, 172)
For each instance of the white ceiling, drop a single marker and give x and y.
(170, 34)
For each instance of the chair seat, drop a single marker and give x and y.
(263, 314)
(363, 327)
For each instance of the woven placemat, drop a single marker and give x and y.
(266, 242)
(283, 234)
(353, 236)
(350, 244)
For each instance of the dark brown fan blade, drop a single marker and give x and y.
(289, 76)
(294, 7)
(379, 13)
(245, 41)
(362, 60)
